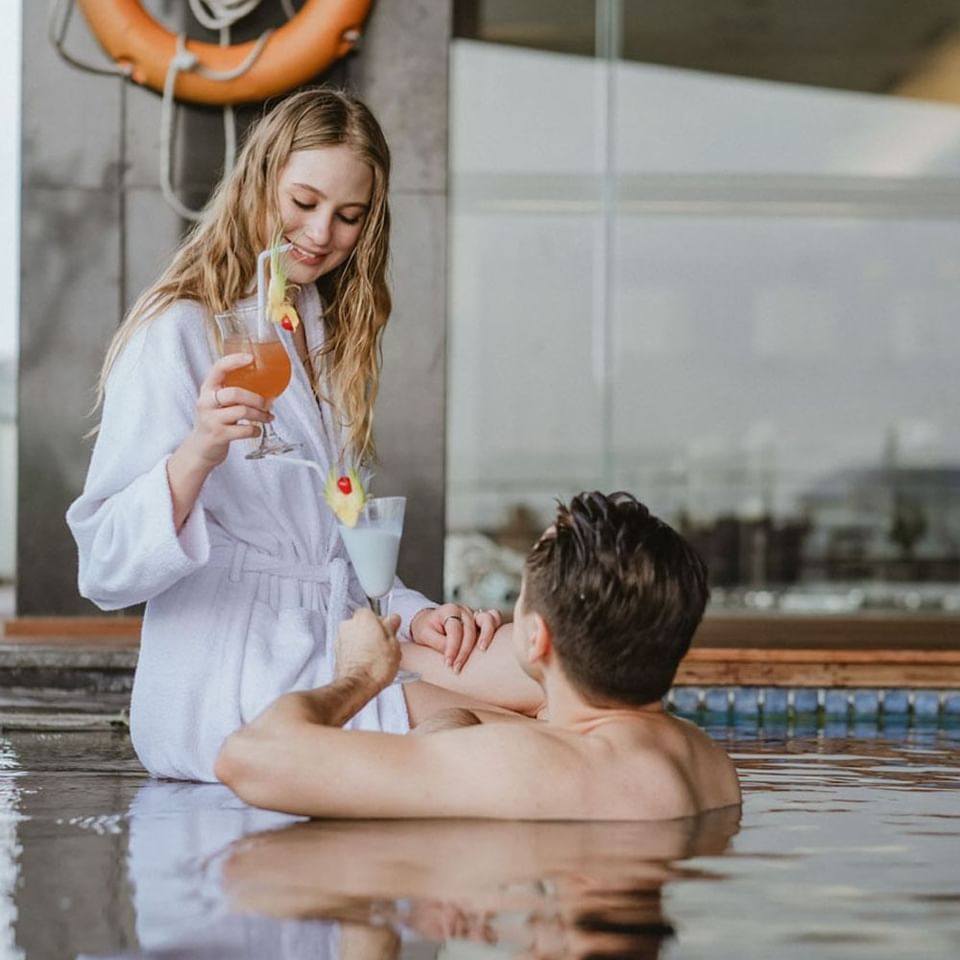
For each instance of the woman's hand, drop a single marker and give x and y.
(455, 630)
(216, 425)
(219, 409)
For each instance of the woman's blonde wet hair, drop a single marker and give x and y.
(216, 264)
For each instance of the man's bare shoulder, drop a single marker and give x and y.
(671, 766)
(624, 767)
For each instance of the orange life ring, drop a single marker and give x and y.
(321, 32)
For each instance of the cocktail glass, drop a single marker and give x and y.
(244, 330)
(373, 546)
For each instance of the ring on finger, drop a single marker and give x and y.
(453, 616)
(216, 397)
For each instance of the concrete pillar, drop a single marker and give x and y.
(71, 293)
(95, 231)
(403, 75)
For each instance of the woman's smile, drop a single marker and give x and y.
(324, 200)
(307, 257)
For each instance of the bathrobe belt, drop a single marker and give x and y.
(239, 558)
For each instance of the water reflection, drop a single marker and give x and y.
(538, 889)
(212, 877)
(9, 850)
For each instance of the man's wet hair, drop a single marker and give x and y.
(622, 593)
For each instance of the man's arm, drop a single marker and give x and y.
(492, 676)
(329, 706)
(368, 656)
(293, 758)
(496, 770)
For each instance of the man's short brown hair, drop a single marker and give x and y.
(622, 593)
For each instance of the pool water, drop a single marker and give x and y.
(847, 845)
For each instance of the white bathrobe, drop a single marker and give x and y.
(243, 604)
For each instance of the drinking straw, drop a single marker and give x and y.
(262, 287)
(299, 460)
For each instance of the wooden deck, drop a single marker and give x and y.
(916, 669)
(862, 651)
(90, 632)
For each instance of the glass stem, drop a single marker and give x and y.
(268, 436)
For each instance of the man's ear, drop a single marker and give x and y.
(540, 640)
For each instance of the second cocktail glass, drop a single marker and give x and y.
(244, 330)
(373, 546)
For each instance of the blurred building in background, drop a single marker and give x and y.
(707, 252)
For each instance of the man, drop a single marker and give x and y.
(610, 600)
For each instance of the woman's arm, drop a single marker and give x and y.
(215, 427)
(491, 676)
(135, 525)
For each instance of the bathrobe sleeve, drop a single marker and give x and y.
(129, 550)
(408, 603)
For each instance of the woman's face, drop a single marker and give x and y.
(324, 201)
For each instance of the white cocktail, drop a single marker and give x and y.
(373, 553)
(373, 545)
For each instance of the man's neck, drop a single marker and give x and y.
(567, 708)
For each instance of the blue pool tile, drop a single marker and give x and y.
(896, 702)
(686, 699)
(866, 703)
(776, 729)
(836, 703)
(746, 702)
(717, 699)
(805, 725)
(835, 726)
(865, 728)
(742, 725)
(926, 704)
(805, 700)
(895, 726)
(926, 732)
(774, 702)
(839, 711)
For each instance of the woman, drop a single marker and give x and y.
(239, 561)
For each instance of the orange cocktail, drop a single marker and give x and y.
(269, 373)
(245, 329)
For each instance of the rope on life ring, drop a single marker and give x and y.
(320, 33)
(143, 51)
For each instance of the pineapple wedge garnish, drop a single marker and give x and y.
(345, 495)
(279, 309)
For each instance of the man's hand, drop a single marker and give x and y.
(368, 649)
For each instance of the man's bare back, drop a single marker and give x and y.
(638, 765)
(610, 600)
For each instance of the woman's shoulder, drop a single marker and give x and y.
(177, 327)
(177, 336)
(183, 321)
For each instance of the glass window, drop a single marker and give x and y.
(722, 279)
